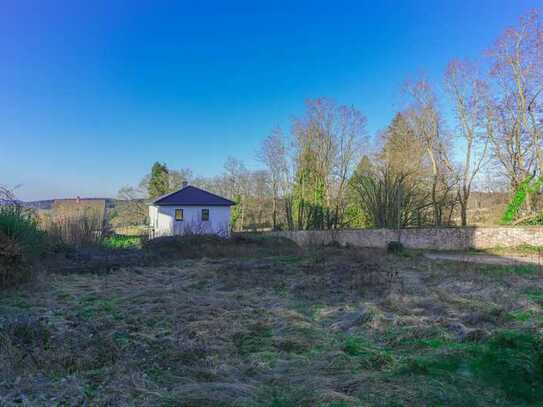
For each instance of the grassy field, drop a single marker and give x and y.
(260, 322)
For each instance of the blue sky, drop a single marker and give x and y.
(93, 92)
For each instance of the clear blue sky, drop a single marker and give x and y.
(93, 92)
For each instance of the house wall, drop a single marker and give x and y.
(163, 221)
(424, 238)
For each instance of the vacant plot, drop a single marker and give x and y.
(263, 323)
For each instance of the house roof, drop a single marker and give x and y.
(192, 196)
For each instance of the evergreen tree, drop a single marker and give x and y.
(402, 150)
(159, 181)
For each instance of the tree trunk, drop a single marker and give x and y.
(463, 213)
(274, 212)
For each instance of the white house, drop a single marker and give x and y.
(190, 210)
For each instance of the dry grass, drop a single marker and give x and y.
(275, 327)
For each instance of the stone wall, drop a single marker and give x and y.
(424, 238)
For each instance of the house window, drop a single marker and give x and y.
(179, 214)
(205, 215)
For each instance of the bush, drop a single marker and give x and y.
(12, 267)
(21, 226)
(80, 230)
(20, 242)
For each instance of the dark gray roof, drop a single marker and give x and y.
(192, 196)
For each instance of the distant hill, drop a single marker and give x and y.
(9, 202)
(43, 204)
(46, 204)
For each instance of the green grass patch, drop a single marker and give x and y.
(521, 270)
(267, 358)
(433, 343)
(15, 301)
(92, 307)
(369, 356)
(535, 295)
(529, 249)
(523, 249)
(510, 361)
(122, 242)
(526, 316)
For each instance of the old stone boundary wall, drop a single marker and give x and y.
(423, 238)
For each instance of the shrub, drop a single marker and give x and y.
(513, 208)
(81, 230)
(12, 266)
(20, 242)
(20, 225)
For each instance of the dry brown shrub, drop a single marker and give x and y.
(12, 266)
(84, 229)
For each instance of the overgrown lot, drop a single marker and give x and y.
(260, 322)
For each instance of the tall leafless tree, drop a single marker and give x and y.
(327, 139)
(273, 155)
(428, 126)
(516, 108)
(467, 92)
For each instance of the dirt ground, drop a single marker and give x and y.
(317, 327)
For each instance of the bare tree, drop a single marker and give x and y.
(273, 155)
(133, 206)
(348, 138)
(467, 94)
(177, 177)
(388, 198)
(237, 180)
(428, 126)
(516, 110)
(7, 196)
(326, 140)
